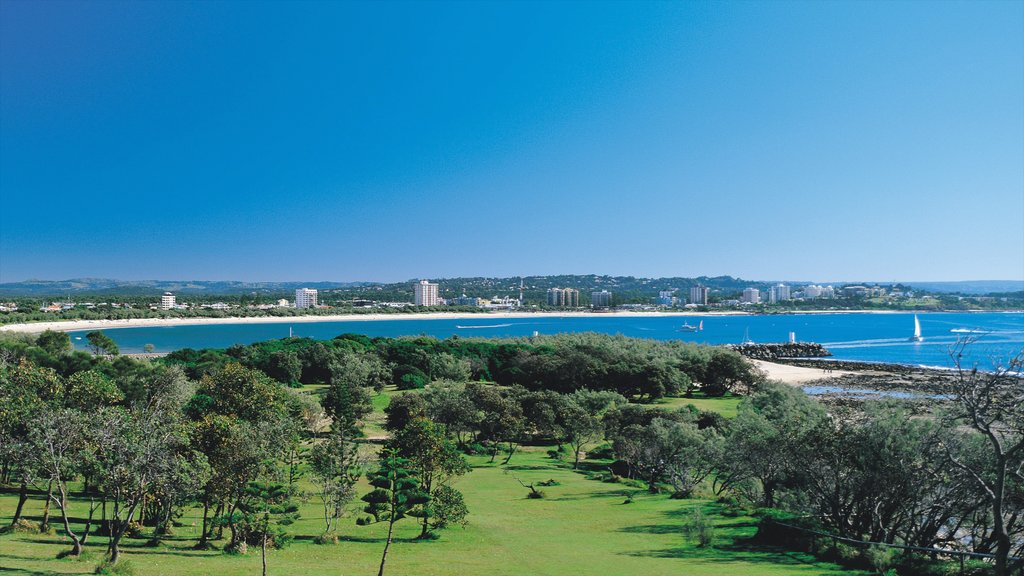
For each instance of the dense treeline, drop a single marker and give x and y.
(636, 369)
(223, 430)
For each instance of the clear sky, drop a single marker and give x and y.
(386, 141)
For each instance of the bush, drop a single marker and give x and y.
(699, 529)
(122, 568)
(134, 530)
(536, 494)
(326, 539)
(601, 452)
(881, 558)
(22, 526)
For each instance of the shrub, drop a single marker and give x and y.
(601, 452)
(699, 529)
(22, 526)
(881, 558)
(329, 538)
(536, 494)
(122, 568)
(134, 530)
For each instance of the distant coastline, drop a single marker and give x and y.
(74, 325)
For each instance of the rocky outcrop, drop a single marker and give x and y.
(771, 352)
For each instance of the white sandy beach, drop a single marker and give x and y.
(795, 375)
(72, 325)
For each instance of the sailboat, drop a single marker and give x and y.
(746, 337)
(687, 327)
(917, 330)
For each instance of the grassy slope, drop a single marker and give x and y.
(582, 526)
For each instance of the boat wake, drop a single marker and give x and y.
(459, 326)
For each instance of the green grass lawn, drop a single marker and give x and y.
(726, 405)
(581, 527)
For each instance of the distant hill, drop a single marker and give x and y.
(971, 286)
(101, 286)
(627, 287)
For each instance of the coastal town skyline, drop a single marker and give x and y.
(773, 140)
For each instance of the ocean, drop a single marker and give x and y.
(857, 336)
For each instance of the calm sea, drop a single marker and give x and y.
(863, 337)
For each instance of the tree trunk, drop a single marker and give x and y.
(220, 526)
(76, 544)
(384, 557)
(120, 527)
(22, 498)
(203, 536)
(45, 524)
(263, 550)
(88, 523)
(511, 451)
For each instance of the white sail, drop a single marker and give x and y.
(917, 330)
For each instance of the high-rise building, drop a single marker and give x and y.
(572, 297)
(426, 294)
(813, 291)
(699, 295)
(556, 297)
(778, 293)
(167, 301)
(667, 298)
(305, 298)
(602, 299)
(751, 296)
(563, 297)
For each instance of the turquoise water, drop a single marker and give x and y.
(861, 337)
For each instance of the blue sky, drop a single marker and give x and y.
(386, 141)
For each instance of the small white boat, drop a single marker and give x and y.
(968, 331)
(687, 327)
(917, 330)
(746, 337)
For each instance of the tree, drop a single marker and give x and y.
(264, 502)
(449, 404)
(992, 404)
(335, 466)
(102, 344)
(580, 428)
(432, 457)
(396, 493)
(659, 451)
(59, 436)
(770, 431)
(725, 370)
(403, 409)
(55, 343)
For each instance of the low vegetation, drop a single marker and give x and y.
(581, 450)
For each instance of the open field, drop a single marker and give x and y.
(582, 527)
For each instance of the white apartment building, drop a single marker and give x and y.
(602, 299)
(751, 296)
(813, 291)
(699, 295)
(426, 294)
(167, 301)
(305, 298)
(779, 293)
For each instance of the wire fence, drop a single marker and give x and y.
(1017, 563)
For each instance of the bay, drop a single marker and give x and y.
(864, 337)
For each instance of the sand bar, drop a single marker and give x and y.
(795, 375)
(71, 325)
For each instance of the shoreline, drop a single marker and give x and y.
(76, 325)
